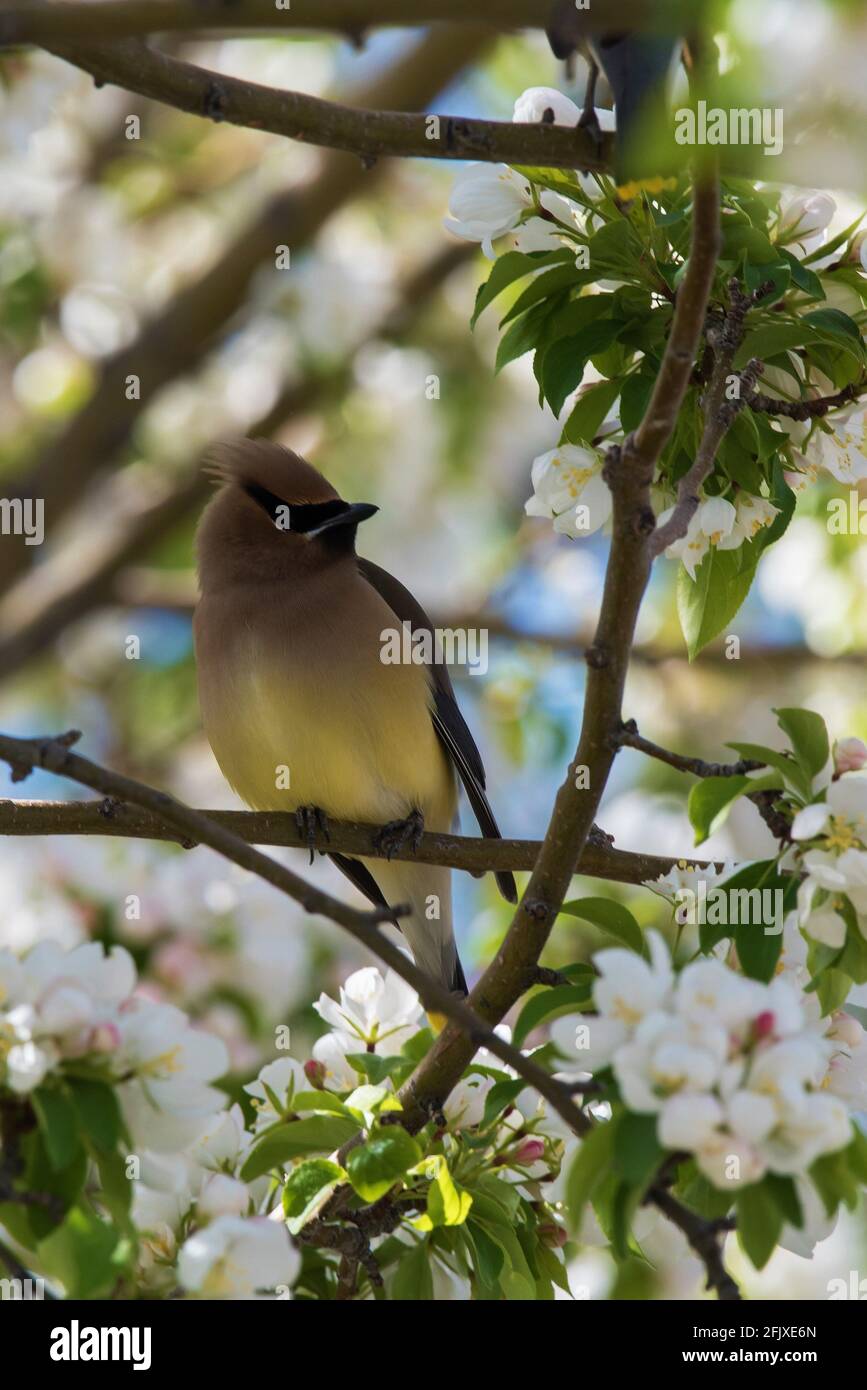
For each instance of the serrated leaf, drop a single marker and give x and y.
(413, 1282)
(58, 1123)
(637, 1150)
(512, 266)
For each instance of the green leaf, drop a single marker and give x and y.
(835, 1182)
(565, 359)
(375, 1167)
(633, 400)
(590, 410)
(837, 325)
(523, 335)
(612, 917)
(637, 1151)
(447, 1203)
(500, 1097)
(317, 1134)
(856, 1155)
(545, 286)
(802, 276)
(590, 1165)
(708, 603)
(760, 1222)
(413, 1282)
(808, 736)
(488, 1255)
(323, 1101)
(59, 1125)
(85, 1254)
(791, 772)
(710, 801)
(781, 1189)
(97, 1111)
(307, 1189)
(550, 1004)
(514, 265)
(769, 340)
(376, 1069)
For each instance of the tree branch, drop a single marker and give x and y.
(34, 21)
(53, 754)
(719, 412)
(703, 1236)
(121, 819)
(371, 135)
(629, 473)
(629, 737)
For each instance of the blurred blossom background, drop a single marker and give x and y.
(359, 355)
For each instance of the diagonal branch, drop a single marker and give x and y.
(630, 472)
(54, 755)
(371, 135)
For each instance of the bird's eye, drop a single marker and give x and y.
(300, 517)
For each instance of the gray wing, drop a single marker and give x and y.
(450, 725)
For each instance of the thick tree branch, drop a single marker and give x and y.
(630, 472)
(123, 820)
(35, 21)
(54, 755)
(371, 135)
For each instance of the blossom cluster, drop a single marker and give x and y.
(735, 1071)
(495, 203)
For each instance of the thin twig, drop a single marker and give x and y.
(629, 737)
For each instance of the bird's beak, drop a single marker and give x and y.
(354, 513)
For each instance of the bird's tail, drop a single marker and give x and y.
(427, 928)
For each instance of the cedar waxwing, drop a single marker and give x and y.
(638, 68)
(289, 634)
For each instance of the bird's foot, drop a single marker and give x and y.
(589, 121)
(397, 833)
(310, 820)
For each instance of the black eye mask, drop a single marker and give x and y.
(303, 517)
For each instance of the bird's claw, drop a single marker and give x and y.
(397, 833)
(310, 820)
(589, 121)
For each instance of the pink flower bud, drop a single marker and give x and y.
(104, 1038)
(764, 1025)
(850, 755)
(552, 1234)
(528, 1151)
(315, 1073)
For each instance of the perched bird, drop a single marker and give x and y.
(289, 633)
(638, 68)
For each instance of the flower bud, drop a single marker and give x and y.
(850, 755)
(552, 1234)
(528, 1151)
(315, 1073)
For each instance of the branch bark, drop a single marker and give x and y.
(629, 473)
(368, 134)
(33, 22)
(54, 755)
(121, 819)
